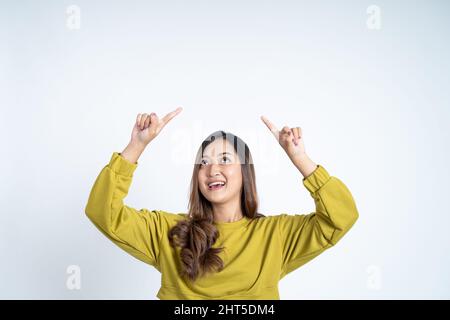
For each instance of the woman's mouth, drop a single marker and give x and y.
(216, 186)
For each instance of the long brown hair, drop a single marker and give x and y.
(196, 235)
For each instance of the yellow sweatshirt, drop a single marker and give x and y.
(256, 255)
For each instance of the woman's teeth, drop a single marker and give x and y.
(216, 185)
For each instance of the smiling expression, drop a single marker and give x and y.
(220, 175)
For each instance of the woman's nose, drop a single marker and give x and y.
(214, 169)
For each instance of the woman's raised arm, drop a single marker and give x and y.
(138, 232)
(305, 236)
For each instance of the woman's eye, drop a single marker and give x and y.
(224, 160)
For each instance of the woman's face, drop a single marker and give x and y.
(220, 163)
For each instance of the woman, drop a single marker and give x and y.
(222, 248)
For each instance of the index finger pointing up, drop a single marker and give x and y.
(271, 127)
(171, 115)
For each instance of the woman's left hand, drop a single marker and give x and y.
(290, 139)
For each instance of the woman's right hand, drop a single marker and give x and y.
(148, 126)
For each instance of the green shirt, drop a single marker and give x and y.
(257, 253)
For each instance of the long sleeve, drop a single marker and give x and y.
(138, 232)
(303, 237)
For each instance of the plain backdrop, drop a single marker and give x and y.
(371, 98)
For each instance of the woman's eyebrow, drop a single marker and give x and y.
(219, 154)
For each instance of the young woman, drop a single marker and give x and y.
(222, 248)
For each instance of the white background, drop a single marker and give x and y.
(373, 105)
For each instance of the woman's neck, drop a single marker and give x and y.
(227, 212)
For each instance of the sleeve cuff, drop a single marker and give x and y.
(121, 166)
(317, 179)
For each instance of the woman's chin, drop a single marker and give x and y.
(217, 199)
